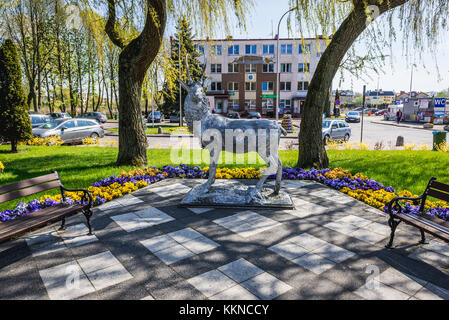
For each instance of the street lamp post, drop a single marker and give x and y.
(278, 75)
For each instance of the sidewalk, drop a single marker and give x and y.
(409, 125)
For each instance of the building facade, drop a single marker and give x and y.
(380, 97)
(243, 73)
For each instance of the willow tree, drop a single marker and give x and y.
(349, 21)
(139, 50)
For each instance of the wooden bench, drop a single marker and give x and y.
(437, 227)
(20, 225)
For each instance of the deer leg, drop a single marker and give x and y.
(269, 171)
(212, 171)
(277, 186)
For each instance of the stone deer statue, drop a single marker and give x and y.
(217, 133)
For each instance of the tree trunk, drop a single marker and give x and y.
(13, 146)
(134, 61)
(312, 152)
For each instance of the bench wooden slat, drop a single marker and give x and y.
(439, 186)
(28, 191)
(419, 222)
(438, 194)
(28, 183)
(36, 219)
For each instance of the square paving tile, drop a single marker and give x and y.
(288, 250)
(234, 293)
(401, 281)
(179, 245)
(109, 276)
(341, 227)
(174, 189)
(174, 254)
(265, 286)
(240, 270)
(375, 290)
(307, 241)
(141, 219)
(247, 223)
(334, 253)
(212, 282)
(314, 263)
(200, 210)
(367, 236)
(129, 200)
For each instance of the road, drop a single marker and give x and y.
(372, 134)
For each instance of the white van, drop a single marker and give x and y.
(392, 110)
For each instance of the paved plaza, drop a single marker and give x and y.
(146, 247)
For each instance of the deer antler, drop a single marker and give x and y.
(189, 78)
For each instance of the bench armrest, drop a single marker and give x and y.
(86, 196)
(394, 204)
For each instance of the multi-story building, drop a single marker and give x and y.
(243, 73)
(380, 97)
(346, 97)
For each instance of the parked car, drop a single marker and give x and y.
(60, 115)
(174, 117)
(254, 115)
(358, 109)
(39, 119)
(157, 115)
(70, 130)
(99, 116)
(335, 130)
(380, 112)
(233, 115)
(353, 116)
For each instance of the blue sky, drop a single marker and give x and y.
(264, 20)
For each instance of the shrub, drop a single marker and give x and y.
(15, 123)
(90, 141)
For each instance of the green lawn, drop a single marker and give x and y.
(81, 166)
(165, 129)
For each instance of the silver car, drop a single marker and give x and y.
(335, 130)
(70, 130)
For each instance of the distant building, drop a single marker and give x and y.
(380, 97)
(401, 96)
(243, 73)
(346, 96)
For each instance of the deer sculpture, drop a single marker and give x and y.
(217, 133)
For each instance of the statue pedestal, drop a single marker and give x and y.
(234, 194)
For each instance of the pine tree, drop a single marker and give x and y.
(15, 122)
(185, 36)
(337, 97)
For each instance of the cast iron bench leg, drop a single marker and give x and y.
(423, 237)
(393, 225)
(62, 224)
(88, 213)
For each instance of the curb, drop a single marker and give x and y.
(406, 126)
(164, 135)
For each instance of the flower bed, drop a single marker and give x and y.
(357, 186)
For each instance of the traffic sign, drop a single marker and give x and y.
(337, 102)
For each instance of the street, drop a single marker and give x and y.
(372, 133)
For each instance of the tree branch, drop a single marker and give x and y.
(112, 26)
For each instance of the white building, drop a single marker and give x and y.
(243, 73)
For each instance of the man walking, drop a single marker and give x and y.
(398, 116)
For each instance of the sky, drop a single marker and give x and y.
(262, 23)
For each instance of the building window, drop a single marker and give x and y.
(267, 86)
(304, 49)
(286, 67)
(250, 86)
(268, 67)
(286, 49)
(215, 68)
(216, 50)
(303, 85)
(287, 104)
(268, 49)
(250, 68)
(233, 86)
(303, 67)
(233, 103)
(286, 86)
(233, 68)
(250, 104)
(215, 86)
(233, 50)
(267, 103)
(199, 48)
(251, 49)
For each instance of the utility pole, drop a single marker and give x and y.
(411, 82)
(363, 111)
(278, 75)
(180, 87)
